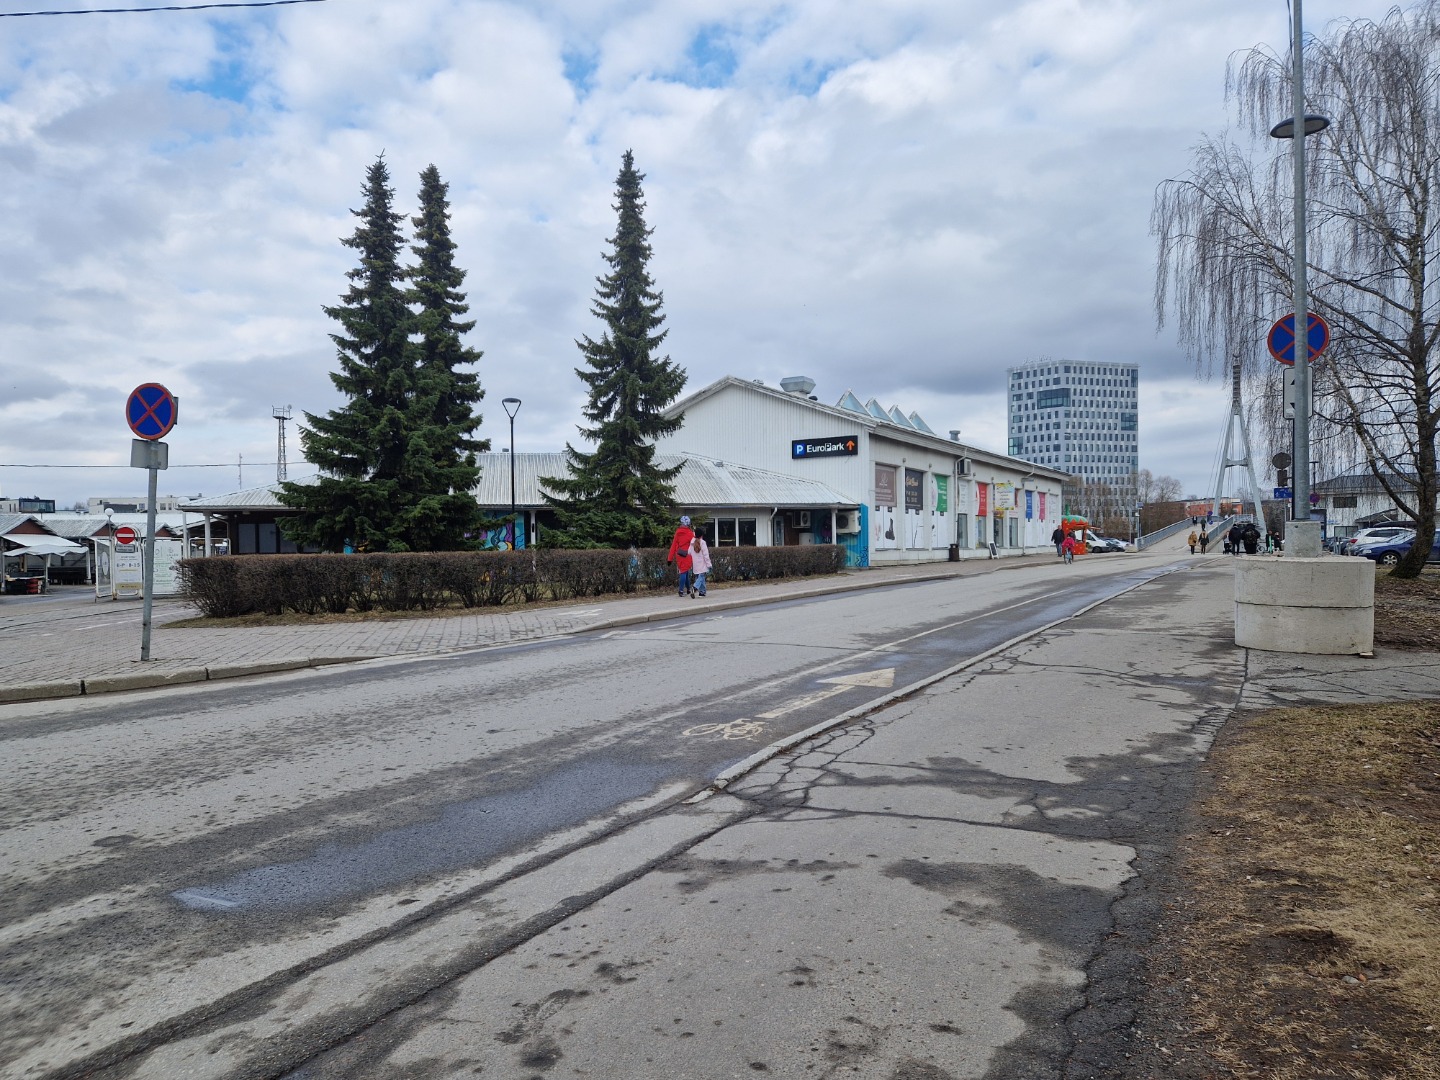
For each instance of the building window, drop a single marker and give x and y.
(1345, 502)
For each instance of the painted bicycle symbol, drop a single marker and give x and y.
(735, 729)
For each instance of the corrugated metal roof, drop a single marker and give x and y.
(703, 482)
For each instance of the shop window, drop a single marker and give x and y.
(747, 532)
(1014, 531)
(962, 530)
(727, 532)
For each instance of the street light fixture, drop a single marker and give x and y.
(1308, 125)
(512, 406)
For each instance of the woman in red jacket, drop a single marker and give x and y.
(680, 553)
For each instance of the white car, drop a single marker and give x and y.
(1373, 534)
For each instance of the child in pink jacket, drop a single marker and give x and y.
(699, 564)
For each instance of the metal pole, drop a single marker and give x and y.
(1300, 500)
(149, 567)
(511, 406)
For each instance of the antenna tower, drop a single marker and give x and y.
(281, 413)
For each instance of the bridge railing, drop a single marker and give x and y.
(1168, 531)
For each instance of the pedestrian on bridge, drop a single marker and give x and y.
(1194, 539)
(1204, 539)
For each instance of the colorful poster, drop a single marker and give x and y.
(942, 493)
(914, 489)
(1029, 505)
(1004, 496)
(885, 485)
(1042, 506)
(982, 497)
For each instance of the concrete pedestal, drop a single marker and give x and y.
(1323, 605)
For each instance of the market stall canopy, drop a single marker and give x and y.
(39, 544)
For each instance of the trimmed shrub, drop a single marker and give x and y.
(231, 585)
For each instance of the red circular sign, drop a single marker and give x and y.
(126, 535)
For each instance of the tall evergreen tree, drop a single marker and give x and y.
(616, 495)
(442, 455)
(397, 459)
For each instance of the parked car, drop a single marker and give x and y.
(1348, 544)
(1099, 544)
(1389, 552)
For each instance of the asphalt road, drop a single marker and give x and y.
(172, 855)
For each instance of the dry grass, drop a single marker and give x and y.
(1407, 612)
(1306, 942)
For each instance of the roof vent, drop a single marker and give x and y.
(954, 434)
(798, 385)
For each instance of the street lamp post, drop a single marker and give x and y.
(512, 406)
(1296, 128)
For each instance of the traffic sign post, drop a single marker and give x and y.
(151, 412)
(126, 535)
(1281, 340)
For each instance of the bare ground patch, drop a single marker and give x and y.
(1303, 935)
(1407, 612)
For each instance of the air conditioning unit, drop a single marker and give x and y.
(964, 467)
(847, 521)
(799, 519)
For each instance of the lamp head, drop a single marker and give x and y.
(511, 405)
(1286, 128)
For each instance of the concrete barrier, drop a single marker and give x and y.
(1324, 605)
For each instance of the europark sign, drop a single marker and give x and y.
(829, 446)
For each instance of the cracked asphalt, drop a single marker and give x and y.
(957, 885)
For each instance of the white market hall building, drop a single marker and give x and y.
(911, 494)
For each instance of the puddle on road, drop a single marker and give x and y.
(466, 835)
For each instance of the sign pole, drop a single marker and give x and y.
(149, 566)
(151, 411)
(1300, 447)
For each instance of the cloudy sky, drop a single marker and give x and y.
(898, 197)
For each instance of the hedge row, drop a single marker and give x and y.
(230, 585)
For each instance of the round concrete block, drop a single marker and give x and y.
(1324, 605)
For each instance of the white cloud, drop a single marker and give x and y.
(898, 198)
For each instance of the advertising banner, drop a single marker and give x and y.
(914, 489)
(885, 485)
(1004, 497)
(1029, 505)
(1042, 506)
(942, 493)
(982, 498)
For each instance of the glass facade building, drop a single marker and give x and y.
(1080, 418)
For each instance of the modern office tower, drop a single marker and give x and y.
(1082, 418)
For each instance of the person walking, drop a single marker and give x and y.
(680, 553)
(1194, 539)
(1067, 547)
(1057, 538)
(1204, 539)
(1234, 538)
(699, 564)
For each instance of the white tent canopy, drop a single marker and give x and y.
(40, 544)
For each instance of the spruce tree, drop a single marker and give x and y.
(616, 495)
(397, 459)
(442, 459)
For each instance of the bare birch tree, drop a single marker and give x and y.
(1225, 235)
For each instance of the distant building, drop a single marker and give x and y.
(133, 504)
(1080, 418)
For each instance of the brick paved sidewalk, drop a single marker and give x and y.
(67, 643)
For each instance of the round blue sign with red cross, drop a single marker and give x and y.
(1282, 337)
(151, 411)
